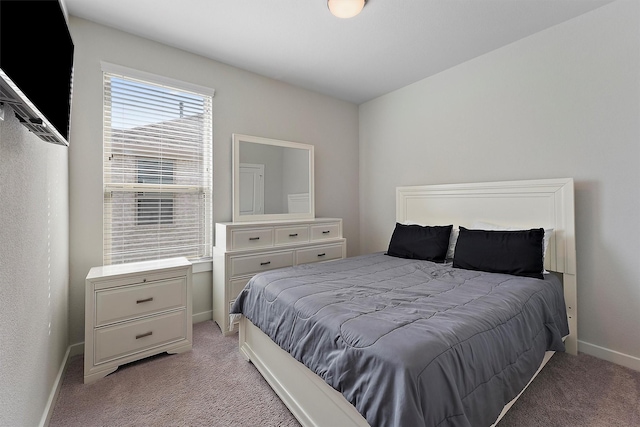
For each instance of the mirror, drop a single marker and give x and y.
(272, 179)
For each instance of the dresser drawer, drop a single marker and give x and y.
(252, 264)
(252, 238)
(291, 235)
(330, 230)
(236, 286)
(115, 305)
(128, 338)
(322, 253)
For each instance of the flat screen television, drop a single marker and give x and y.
(36, 66)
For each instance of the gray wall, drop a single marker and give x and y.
(34, 270)
(244, 103)
(561, 103)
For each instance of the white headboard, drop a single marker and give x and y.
(545, 203)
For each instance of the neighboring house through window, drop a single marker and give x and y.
(157, 167)
(153, 208)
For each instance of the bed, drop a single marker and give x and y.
(414, 342)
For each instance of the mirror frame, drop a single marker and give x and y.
(237, 139)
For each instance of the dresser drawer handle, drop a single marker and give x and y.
(144, 335)
(293, 235)
(144, 300)
(265, 263)
(326, 232)
(322, 254)
(254, 238)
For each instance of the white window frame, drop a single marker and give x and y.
(140, 190)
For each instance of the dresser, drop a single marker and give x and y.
(136, 310)
(245, 248)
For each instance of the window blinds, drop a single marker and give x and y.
(157, 171)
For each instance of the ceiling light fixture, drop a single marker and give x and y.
(345, 8)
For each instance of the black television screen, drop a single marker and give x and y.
(36, 54)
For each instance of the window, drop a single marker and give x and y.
(157, 167)
(152, 207)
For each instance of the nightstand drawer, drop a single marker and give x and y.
(291, 235)
(330, 230)
(127, 302)
(132, 337)
(255, 238)
(321, 253)
(256, 263)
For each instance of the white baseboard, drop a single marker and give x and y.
(613, 356)
(76, 349)
(53, 395)
(202, 317)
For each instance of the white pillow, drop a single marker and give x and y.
(455, 231)
(479, 225)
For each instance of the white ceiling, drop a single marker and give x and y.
(391, 44)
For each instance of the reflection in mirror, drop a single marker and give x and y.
(273, 179)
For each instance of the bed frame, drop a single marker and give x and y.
(547, 203)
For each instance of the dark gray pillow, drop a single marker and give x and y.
(510, 252)
(413, 241)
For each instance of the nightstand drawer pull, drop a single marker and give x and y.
(322, 254)
(265, 263)
(254, 238)
(144, 335)
(140, 301)
(293, 235)
(326, 232)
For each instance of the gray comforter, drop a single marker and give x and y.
(411, 343)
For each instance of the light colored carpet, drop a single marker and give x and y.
(212, 385)
(579, 391)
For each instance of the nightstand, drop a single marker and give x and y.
(136, 310)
